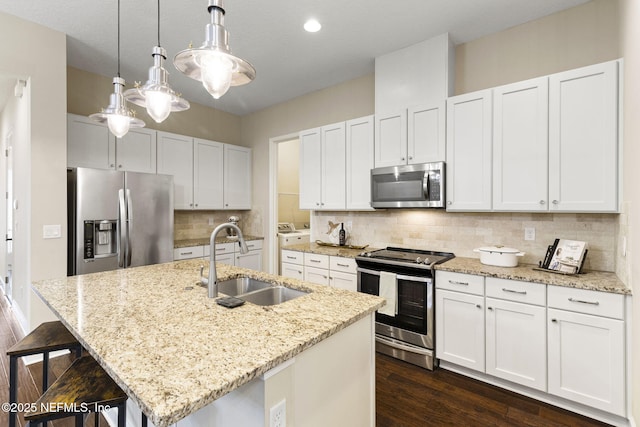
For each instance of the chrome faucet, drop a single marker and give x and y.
(212, 280)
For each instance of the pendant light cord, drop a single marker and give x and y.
(118, 38)
(158, 22)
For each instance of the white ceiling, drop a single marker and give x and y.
(269, 34)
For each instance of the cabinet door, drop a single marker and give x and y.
(228, 259)
(208, 174)
(516, 342)
(583, 139)
(587, 359)
(333, 166)
(175, 157)
(520, 146)
(460, 329)
(426, 141)
(316, 275)
(391, 139)
(251, 260)
(310, 169)
(469, 152)
(292, 270)
(359, 152)
(136, 151)
(341, 280)
(237, 177)
(89, 144)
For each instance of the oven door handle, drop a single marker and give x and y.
(400, 346)
(399, 276)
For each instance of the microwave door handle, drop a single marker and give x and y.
(425, 185)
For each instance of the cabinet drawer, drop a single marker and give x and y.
(460, 282)
(515, 290)
(292, 257)
(225, 248)
(254, 245)
(315, 260)
(188, 252)
(347, 265)
(586, 301)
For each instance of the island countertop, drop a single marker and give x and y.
(172, 349)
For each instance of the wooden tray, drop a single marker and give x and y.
(335, 245)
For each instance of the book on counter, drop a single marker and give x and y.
(566, 256)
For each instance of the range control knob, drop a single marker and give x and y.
(418, 260)
(426, 261)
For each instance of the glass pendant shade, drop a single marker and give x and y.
(156, 95)
(117, 116)
(212, 63)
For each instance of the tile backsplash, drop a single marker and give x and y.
(200, 224)
(460, 233)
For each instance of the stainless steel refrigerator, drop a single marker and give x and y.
(118, 220)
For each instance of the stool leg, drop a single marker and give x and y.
(144, 420)
(78, 352)
(79, 420)
(45, 371)
(122, 414)
(13, 388)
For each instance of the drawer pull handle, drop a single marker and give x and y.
(514, 292)
(584, 302)
(186, 253)
(342, 265)
(455, 282)
(478, 306)
(315, 260)
(490, 308)
(554, 320)
(290, 257)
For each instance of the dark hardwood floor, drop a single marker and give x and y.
(406, 396)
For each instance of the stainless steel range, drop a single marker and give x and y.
(406, 331)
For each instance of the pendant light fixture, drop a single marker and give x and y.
(156, 94)
(118, 117)
(212, 63)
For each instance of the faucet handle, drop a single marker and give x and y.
(203, 279)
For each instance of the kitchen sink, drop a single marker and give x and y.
(241, 285)
(272, 295)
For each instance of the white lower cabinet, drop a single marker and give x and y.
(586, 351)
(252, 259)
(316, 275)
(563, 341)
(226, 253)
(460, 328)
(335, 271)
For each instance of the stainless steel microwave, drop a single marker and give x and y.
(409, 186)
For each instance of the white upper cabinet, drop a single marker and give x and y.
(520, 146)
(208, 174)
(411, 136)
(583, 139)
(175, 157)
(469, 152)
(136, 151)
(89, 144)
(323, 168)
(359, 160)
(237, 177)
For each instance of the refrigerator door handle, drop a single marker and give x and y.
(129, 221)
(122, 220)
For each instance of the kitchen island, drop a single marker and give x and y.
(179, 356)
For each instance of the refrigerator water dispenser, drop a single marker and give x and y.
(100, 239)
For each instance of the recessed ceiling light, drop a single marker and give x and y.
(312, 26)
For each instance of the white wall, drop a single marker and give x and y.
(39, 55)
(630, 28)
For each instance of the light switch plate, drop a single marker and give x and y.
(529, 233)
(52, 231)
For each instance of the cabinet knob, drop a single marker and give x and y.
(542, 202)
(120, 166)
(226, 204)
(410, 157)
(112, 165)
(490, 308)
(554, 320)
(196, 205)
(449, 203)
(317, 203)
(478, 306)
(402, 158)
(555, 202)
(190, 204)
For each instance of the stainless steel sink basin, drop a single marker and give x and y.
(241, 285)
(272, 295)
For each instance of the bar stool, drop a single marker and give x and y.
(83, 388)
(48, 337)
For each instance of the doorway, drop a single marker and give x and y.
(7, 277)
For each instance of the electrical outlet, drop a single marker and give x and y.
(278, 414)
(529, 233)
(210, 220)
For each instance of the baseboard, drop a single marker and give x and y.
(578, 408)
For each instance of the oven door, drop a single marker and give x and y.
(414, 321)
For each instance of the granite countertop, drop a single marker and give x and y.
(172, 349)
(205, 241)
(314, 248)
(592, 280)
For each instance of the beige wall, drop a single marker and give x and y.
(583, 35)
(38, 54)
(89, 93)
(630, 23)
